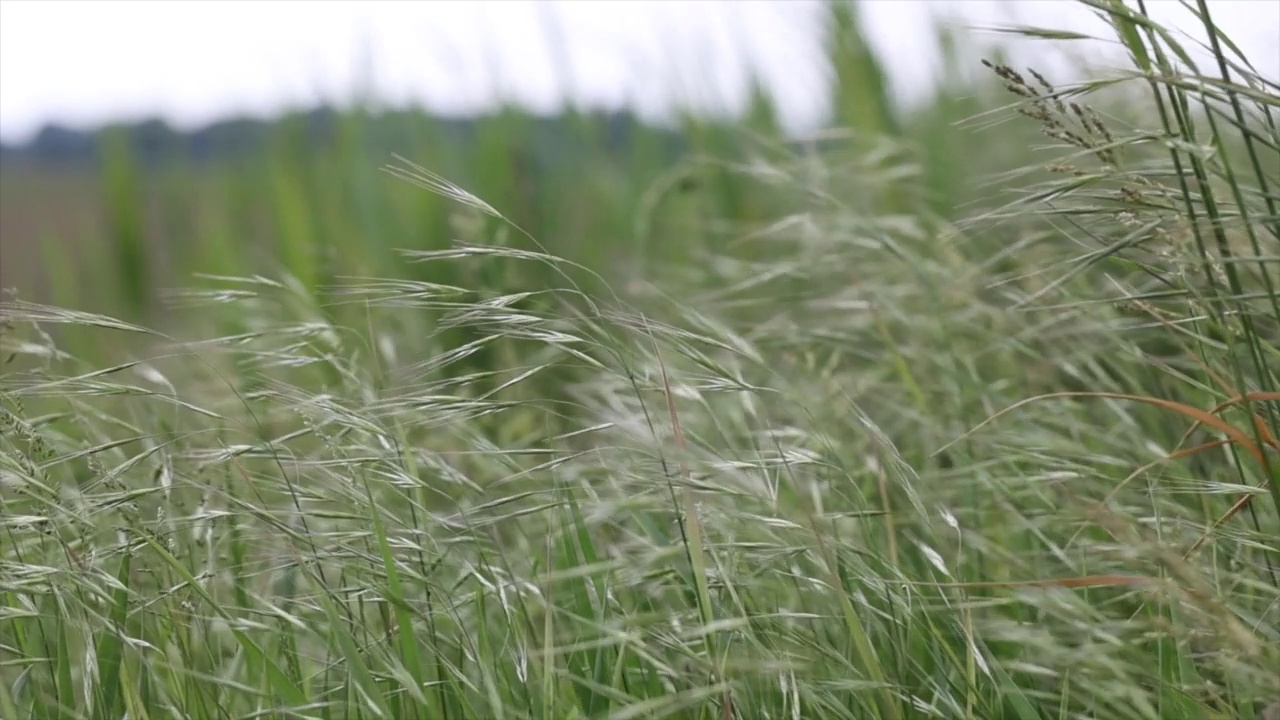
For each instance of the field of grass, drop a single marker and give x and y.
(970, 413)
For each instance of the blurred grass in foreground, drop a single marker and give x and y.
(772, 480)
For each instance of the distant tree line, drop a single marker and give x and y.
(155, 141)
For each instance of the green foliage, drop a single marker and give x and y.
(771, 430)
(124, 225)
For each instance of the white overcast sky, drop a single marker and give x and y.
(192, 62)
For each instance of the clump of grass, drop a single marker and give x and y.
(1189, 234)
(809, 481)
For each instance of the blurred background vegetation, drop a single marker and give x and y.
(113, 218)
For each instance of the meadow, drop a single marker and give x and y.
(964, 412)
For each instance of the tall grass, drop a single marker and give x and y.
(838, 452)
